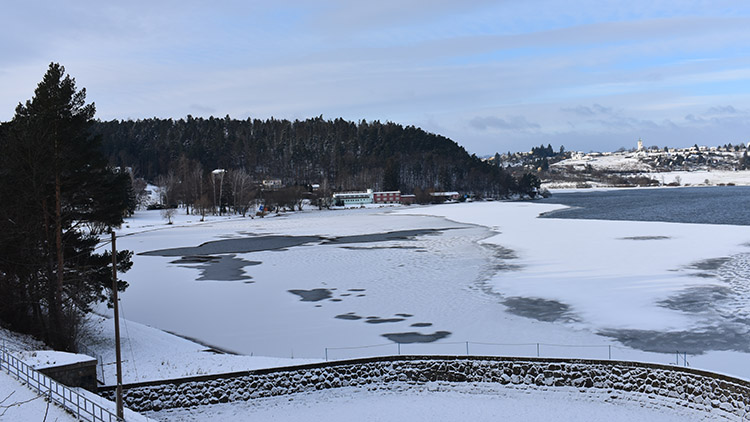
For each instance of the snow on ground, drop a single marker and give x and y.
(682, 178)
(612, 162)
(448, 402)
(19, 403)
(625, 279)
(492, 275)
(41, 359)
(151, 354)
(703, 177)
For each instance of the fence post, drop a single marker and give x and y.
(537, 350)
(326, 354)
(609, 348)
(399, 348)
(467, 348)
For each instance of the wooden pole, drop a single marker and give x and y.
(118, 357)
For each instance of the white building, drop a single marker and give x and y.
(353, 198)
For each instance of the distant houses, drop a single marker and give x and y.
(370, 197)
(272, 184)
(353, 198)
(389, 197)
(446, 196)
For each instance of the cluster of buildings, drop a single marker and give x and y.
(388, 197)
(370, 197)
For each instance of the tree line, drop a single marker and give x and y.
(338, 155)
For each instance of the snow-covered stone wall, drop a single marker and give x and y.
(690, 387)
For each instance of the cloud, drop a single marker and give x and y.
(586, 111)
(722, 110)
(512, 123)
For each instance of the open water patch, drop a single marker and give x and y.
(698, 205)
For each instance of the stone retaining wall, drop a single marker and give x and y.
(691, 387)
(79, 374)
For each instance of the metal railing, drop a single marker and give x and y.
(80, 406)
(469, 348)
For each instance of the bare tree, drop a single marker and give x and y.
(243, 189)
(168, 214)
(167, 189)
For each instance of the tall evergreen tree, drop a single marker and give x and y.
(58, 195)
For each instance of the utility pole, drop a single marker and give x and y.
(118, 357)
(218, 172)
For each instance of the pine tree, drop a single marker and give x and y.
(58, 196)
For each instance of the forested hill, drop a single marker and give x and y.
(337, 154)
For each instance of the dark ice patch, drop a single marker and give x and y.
(349, 316)
(645, 238)
(218, 268)
(238, 245)
(314, 295)
(384, 237)
(709, 264)
(539, 309)
(195, 259)
(697, 299)
(725, 337)
(501, 252)
(355, 290)
(368, 248)
(405, 315)
(383, 320)
(422, 324)
(414, 337)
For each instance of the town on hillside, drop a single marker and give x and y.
(638, 166)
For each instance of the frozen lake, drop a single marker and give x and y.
(491, 278)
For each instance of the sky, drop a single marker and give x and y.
(494, 76)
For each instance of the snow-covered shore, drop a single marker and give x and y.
(492, 275)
